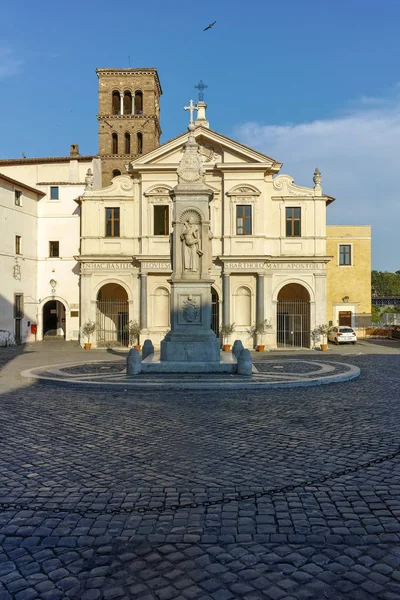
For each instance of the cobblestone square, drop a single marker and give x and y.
(281, 494)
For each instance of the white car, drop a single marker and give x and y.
(342, 334)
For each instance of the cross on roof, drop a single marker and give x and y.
(191, 108)
(201, 86)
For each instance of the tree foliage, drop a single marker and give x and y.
(385, 283)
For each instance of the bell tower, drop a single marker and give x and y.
(129, 117)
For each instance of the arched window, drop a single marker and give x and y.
(116, 103)
(116, 172)
(243, 306)
(114, 143)
(127, 143)
(140, 143)
(138, 103)
(127, 103)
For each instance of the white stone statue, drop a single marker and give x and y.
(190, 238)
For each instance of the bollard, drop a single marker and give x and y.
(237, 348)
(244, 363)
(147, 349)
(133, 362)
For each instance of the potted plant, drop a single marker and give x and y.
(133, 329)
(258, 331)
(323, 331)
(226, 331)
(87, 330)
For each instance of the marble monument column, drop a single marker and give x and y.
(191, 338)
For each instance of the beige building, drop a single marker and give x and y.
(349, 275)
(269, 244)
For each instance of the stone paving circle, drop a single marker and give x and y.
(279, 373)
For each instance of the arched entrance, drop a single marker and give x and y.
(293, 316)
(54, 319)
(215, 312)
(112, 315)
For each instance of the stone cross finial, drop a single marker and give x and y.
(191, 108)
(317, 177)
(89, 180)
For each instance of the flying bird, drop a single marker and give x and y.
(209, 26)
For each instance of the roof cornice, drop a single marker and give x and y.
(46, 159)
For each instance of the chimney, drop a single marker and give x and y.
(74, 150)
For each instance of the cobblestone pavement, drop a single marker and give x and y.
(120, 495)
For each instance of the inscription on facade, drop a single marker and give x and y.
(104, 266)
(156, 265)
(295, 266)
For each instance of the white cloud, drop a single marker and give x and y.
(9, 65)
(358, 154)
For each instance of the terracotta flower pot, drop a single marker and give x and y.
(260, 348)
(87, 346)
(226, 347)
(324, 347)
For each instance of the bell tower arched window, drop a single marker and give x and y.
(127, 143)
(114, 143)
(127, 103)
(140, 143)
(138, 103)
(116, 103)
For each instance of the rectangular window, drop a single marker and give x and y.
(54, 192)
(345, 254)
(17, 196)
(54, 249)
(293, 222)
(18, 306)
(243, 219)
(161, 220)
(18, 245)
(112, 222)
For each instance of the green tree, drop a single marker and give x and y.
(385, 283)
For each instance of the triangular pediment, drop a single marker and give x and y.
(214, 148)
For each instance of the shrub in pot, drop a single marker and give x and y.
(133, 330)
(226, 331)
(258, 331)
(87, 330)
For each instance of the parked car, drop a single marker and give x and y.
(342, 334)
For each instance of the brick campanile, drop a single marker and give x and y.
(129, 117)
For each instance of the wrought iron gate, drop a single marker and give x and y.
(111, 318)
(293, 323)
(214, 312)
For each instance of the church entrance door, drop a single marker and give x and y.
(293, 317)
(112, 315)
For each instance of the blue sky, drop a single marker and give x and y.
(311, 83)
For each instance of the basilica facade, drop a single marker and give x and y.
(268, 244)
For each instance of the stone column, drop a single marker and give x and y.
(133, 104)
(143, 300)
(121, 103)
(260, 312)
(226, 298)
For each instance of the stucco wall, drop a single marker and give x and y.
(352, 281)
